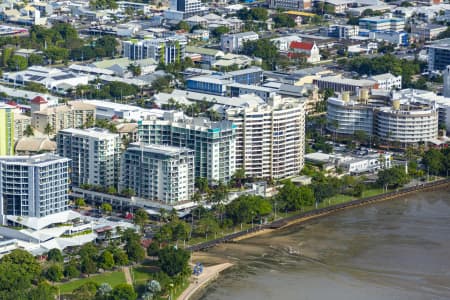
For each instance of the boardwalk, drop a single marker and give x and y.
(199, 282)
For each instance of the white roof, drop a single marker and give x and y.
(42, 222)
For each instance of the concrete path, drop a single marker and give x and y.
(199, 282)
(127, 272)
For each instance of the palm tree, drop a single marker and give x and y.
(162, 215)
(28, 131)
(48, 129)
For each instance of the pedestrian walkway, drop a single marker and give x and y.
(127, 272)
(198, 282)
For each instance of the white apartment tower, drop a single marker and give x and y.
(158, 173)
(33, 186)
(95, 155)
(270, 138)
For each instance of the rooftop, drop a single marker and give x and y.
(37, 160)
(98, 133)
(160, 149)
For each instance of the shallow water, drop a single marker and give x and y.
(393, 250)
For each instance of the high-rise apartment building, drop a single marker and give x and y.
(164, 50)
(158, 173)
(95, 155)
(270, 138)
(213, 142)
(33, 186)
(6, 129)
(446, 76)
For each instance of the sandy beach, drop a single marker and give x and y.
(198, 282)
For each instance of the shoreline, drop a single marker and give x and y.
(200, 282)
(318, 213)
(295, 220)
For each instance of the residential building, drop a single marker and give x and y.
(439, 55)
(398, 38)
(111, 110)
(158, 172)
(165, 50)
(51, 119)
(213, 142)
(270, 138)
(187, 8)
(343, 31)
(21, 122)
(446, 76)
(6, 129)
(284, 42)
(387, 81)
(94, 154)
(427, 32)
(308, 50)
(345, 116)
(291, 4)
(407, 121)
(427, 2)
(56, 80)
(213, 84)
(33, 186)
(237, 89)
(234, 42)
(338, 84)
(251, 75)
(382, 23)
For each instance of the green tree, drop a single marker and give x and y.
(434, 161)
(55, 255)
(264, 49)
(43, 291)
(140, 218)
(106, 260)
(134, 69)
(88, 266)
(17, 63)
(123, 291)
(6, 56)
(183, 25)
(207, 225)
(106, 207)
(71, 270)
(35, 60)
(219, 31)
(173, 261)
(54, 272)
(135, 251)
(120, 257)
(393, 177)
(283, 20)
(79, 202)
(48, 129)
(86, 291)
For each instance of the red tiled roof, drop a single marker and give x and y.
(301, 45)
(12, 103)
(38, 100)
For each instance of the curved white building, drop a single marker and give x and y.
(407, 124)
(347, 116)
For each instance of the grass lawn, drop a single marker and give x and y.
(113, 278)
(142, 274)
(372, 192)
